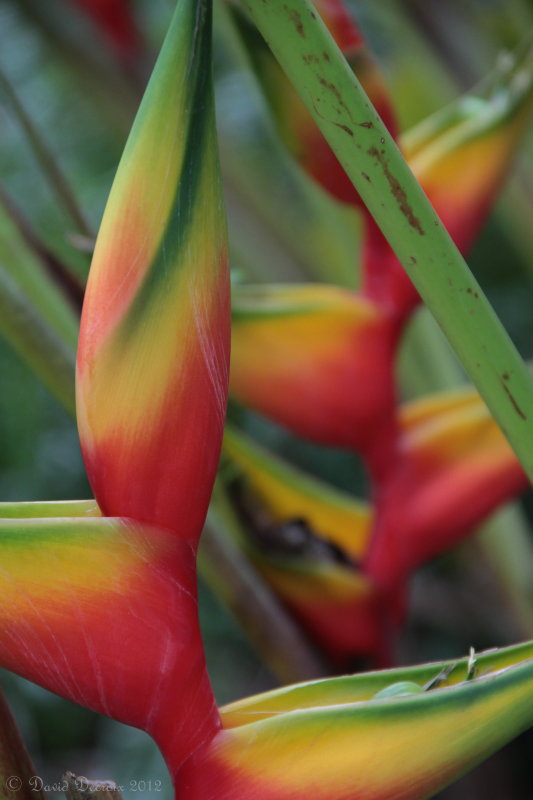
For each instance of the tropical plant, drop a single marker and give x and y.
(152, 380)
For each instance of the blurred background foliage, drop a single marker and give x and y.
(82, 101)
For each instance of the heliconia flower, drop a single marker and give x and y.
(366, 737)
(306, 543)
(296, 126)
(115, 19)
(317, 359)
(101, 605)
(454, 468)
(154, 340)
(462, 155)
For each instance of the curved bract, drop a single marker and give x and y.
(336, 605)
(103, 612)
(154, 341)
(316, 359)
(286, 493)
(331, 739)
(462, 156)
(455, 467)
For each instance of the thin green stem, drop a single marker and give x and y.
(377, 169)
(46, 159)
(230, 575)
(47, 353)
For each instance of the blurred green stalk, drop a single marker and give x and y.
(274, 634)
(44, 349)
(46, 160)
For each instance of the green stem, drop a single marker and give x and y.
(230, 575)
(50, 265)
(49, 355)
(46, 159)
(377, 169)
(505, 542)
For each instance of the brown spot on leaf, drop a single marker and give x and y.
(513, 400)
(296, 20)
(366, 124)
(412, 259)
(325, 56)
(366, 177)
(345, 128)
(310, 59)
(398, 192)
(332, 88)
